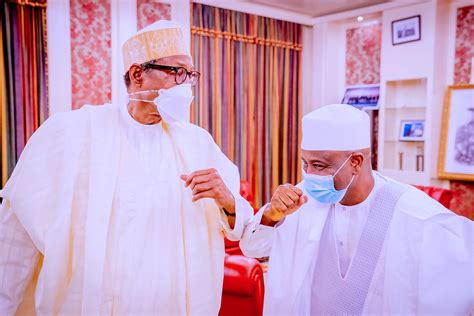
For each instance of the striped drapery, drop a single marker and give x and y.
(23, 85)
(249, 97)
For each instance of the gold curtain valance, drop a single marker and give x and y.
(31, 3)
(245, 38)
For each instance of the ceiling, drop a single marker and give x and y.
(317, 8)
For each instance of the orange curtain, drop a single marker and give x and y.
(249, 97)
(23, 87)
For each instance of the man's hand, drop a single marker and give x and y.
(208, 184)
(286, 200)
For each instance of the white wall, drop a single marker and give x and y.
(307, 70)
(334, 63)
(432, 57)
(328, 63)
(59, 56)
(444, 34)
(124, 25)
(413, 60)
(181, 13)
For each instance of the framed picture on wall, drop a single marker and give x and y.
(456, 150)
(406, 30)
(412, 131)
(362, 96)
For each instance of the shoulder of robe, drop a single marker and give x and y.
(77, 118)
(418, 205)
(66, 120)
(204, 138)
(61, 132)
(58, 128)
(198, 133)
(105, 110)
(69, 128)
(197, 136)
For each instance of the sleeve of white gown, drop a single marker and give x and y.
(258, 239)
(446, 273)
(18, 258)
(231, 177)
(243, 215)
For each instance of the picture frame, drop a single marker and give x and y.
(406, 30)
(363, 97)
(456, 150)
(412, 131)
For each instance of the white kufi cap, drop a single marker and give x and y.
(160, 39)
(336, 127)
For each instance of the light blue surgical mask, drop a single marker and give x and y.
(321, 188)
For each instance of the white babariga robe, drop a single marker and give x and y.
(96, 199)
(426, 265)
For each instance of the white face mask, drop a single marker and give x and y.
(173, 103)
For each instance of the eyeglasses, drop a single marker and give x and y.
(180, 73)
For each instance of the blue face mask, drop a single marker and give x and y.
(321, 188)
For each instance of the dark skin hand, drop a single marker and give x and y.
(286, 200)
(208, 183)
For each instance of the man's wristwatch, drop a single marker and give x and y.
(227, 213)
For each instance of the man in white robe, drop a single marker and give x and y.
(121, 209)
(349, 241)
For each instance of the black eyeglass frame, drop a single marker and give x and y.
(189, 74)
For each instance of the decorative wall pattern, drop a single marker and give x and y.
(464, 44)
(463, 200)
(363, 46)
(91, 56)
(149, 11)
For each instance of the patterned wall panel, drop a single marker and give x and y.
(149, 11)
(463, 201)
(464, 44)
(91, 56)
(363, 46)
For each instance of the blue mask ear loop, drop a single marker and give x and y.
(352, 180)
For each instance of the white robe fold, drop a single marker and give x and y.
(115, 239)
(426, 266)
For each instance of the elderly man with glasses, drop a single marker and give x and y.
(120, 209)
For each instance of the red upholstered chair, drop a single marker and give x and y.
(243, 287)
(232, 247)
(443, 196)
